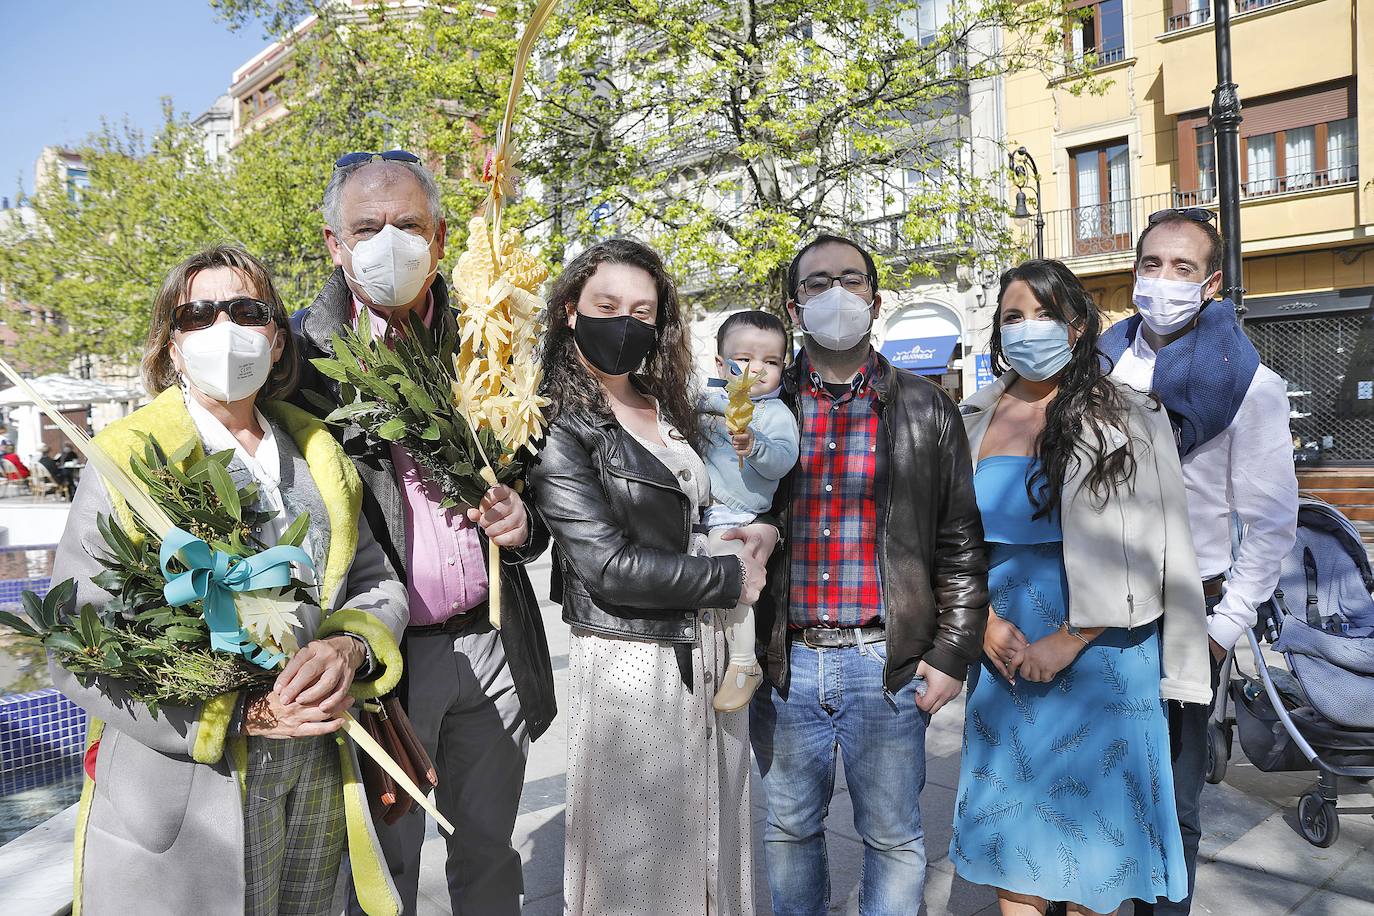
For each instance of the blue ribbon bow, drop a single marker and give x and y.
(213, 576)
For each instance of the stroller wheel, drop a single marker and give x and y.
(1217, 753)
(1317, 820)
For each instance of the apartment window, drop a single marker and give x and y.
(1100, 182)
(260, 101)
(1291, 142)
(78, 180)
(923, 23)
(1205, 138)
(1184, 14)
(1100, 31)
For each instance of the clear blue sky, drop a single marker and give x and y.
(67, 64)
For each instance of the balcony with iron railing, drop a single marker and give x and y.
(1109, 229)
(886, 236)
(1202, 14)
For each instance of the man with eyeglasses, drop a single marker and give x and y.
(875, 604)
(476, 696)
(1230, 416)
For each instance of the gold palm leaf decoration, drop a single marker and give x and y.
(497, 279)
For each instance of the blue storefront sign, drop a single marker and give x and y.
(982, 368)
(924, 356)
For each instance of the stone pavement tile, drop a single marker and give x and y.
(1225, 889)
(943, 770)
(945, 735)
(1327, 903)
(937, 819)
(426, 905)
(539, 838)
(1228, 813)
(1356, 878)
(543, 793)
(1276, 848)
(551, 905)
(949, 895)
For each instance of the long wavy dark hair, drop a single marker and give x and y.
(1086, 399)
(667, 372)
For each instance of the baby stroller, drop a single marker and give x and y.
(1319, 714)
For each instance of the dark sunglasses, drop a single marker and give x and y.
(1197, 214)
(243, 311)
(391, 155)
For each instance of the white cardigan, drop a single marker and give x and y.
(1130, 561)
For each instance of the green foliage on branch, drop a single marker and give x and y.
(725, 134)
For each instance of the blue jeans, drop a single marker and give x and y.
(835, 698)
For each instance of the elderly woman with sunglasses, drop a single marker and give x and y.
(245, 803)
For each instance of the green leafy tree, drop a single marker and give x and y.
(365, 79)
(97, 259)
(723, 133)
(728, 133)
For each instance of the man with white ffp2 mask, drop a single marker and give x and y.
(1230, 414)
(476, 696)
(876, 601)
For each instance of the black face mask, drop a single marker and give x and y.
(617, 345)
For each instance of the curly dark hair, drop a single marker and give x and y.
(667, 373)
(1086, 394)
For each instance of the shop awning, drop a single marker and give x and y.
(924, 355)
(64, 391)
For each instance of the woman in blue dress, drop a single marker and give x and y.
(1065, 786)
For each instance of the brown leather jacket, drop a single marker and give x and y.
(930, 558)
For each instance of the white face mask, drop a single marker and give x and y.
(226, 362)
(837, 319)
(1167, 305)
(391, 267)
(1037, 349)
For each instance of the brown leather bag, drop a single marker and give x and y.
(389, 726)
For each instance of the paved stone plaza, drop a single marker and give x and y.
(1254, 861)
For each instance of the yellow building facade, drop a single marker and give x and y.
(1305, 71)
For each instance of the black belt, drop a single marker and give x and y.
(1214, 587)
(840, 638)
(457, 625)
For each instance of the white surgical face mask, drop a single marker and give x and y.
(226, 362)
(391, 267)
(1167, 305)
(837, 319)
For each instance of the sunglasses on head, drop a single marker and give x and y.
(243, 311)
(391, 155)
(1197, 214)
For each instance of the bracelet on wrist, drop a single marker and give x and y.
(1073, 631)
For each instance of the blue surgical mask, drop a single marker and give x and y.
(1037, 350)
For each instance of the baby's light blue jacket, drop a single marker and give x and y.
(751, 488)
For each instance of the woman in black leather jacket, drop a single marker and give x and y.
(658, 782)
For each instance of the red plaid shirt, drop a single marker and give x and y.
(833, 540)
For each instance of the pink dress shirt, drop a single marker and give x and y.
(444, 564)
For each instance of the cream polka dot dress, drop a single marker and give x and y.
(658, 782)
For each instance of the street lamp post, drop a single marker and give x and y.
(1021, 165)
(1226, 120)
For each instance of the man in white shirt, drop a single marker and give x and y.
(1230, 415)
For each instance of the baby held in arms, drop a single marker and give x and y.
(751, 442)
